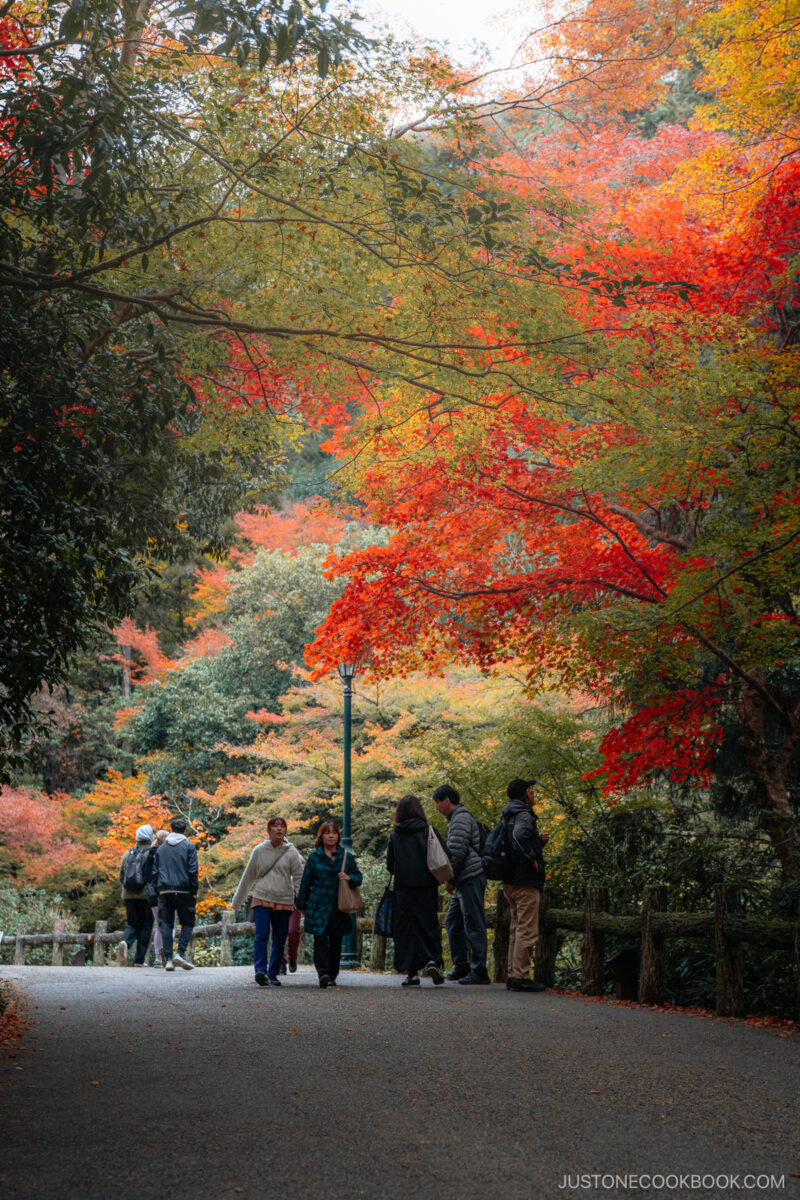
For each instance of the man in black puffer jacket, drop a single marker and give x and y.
(523, 890)
(466, 919)
(175, 880)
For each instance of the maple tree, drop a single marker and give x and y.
(35, 838)
(627, 523)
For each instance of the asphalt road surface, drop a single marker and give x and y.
(135, 1084)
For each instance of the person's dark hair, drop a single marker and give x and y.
(409, 806)
(178, 825)
(518, 788)
(324, 828)
(446, 792)
(276, 821)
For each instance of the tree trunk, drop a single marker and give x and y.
(770, 771)
(133, 38)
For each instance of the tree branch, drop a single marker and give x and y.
(647, 530)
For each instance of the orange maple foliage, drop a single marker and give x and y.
(38, 843)
(291, 528)
(143, 642)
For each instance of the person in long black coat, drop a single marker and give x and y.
(417, 934)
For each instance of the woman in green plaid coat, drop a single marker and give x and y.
(318, 896)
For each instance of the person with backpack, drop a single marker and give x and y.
(513, 853)
(465, 921)
(417, 936)
(134, 874)
(175, 883)
(273, 873)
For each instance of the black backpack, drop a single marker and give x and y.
(134, 875)
(483, 834)
(498, 859)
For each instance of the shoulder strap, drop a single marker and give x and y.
(274, 863)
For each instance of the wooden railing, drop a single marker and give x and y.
(726, 929)
(101, 939)
(641, 977)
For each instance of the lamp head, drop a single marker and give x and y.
(346, 671)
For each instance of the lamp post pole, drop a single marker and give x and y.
(346, 672)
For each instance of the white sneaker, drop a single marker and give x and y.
(122, 953)
(184, 962)
(169, 965)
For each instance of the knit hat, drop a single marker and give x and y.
(144, 833)
(518, 787)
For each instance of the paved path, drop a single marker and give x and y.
(137, 1084)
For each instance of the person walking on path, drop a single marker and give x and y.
(523, 890)
(466, 918)
(417, 936)
(152, 900)
(273, 875)
(292, 942)
(134, 875)
(175, 882)
(318, 898)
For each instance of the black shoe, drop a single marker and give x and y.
(332, 983)
(457, 973)
(432, 971)
(292, 966)
(274, 982)
(473, 977)
(324, 980)
(412, 981)
(525, 985)
(261, 978)
(282, 971)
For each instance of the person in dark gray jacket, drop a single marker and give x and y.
(466, 917)
(175, 881)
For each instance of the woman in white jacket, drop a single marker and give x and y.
(273, 876)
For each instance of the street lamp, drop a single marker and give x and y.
(346, 672)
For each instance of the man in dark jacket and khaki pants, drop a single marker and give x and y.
(524, 889)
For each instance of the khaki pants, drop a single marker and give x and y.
(524, 933)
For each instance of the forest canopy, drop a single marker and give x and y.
(318, 348)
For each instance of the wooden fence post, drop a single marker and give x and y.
(59, 928)
(652, 977)
(226, 939)
(19, 947)
(730, 995)
(377, 953)
(502, 926)
(544, 966)
(98, 947)
(593, 944)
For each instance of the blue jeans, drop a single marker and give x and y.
(466, 925)
(278, 921)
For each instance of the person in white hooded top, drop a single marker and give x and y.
(175, 880)
(273, 875)
(133, 874)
